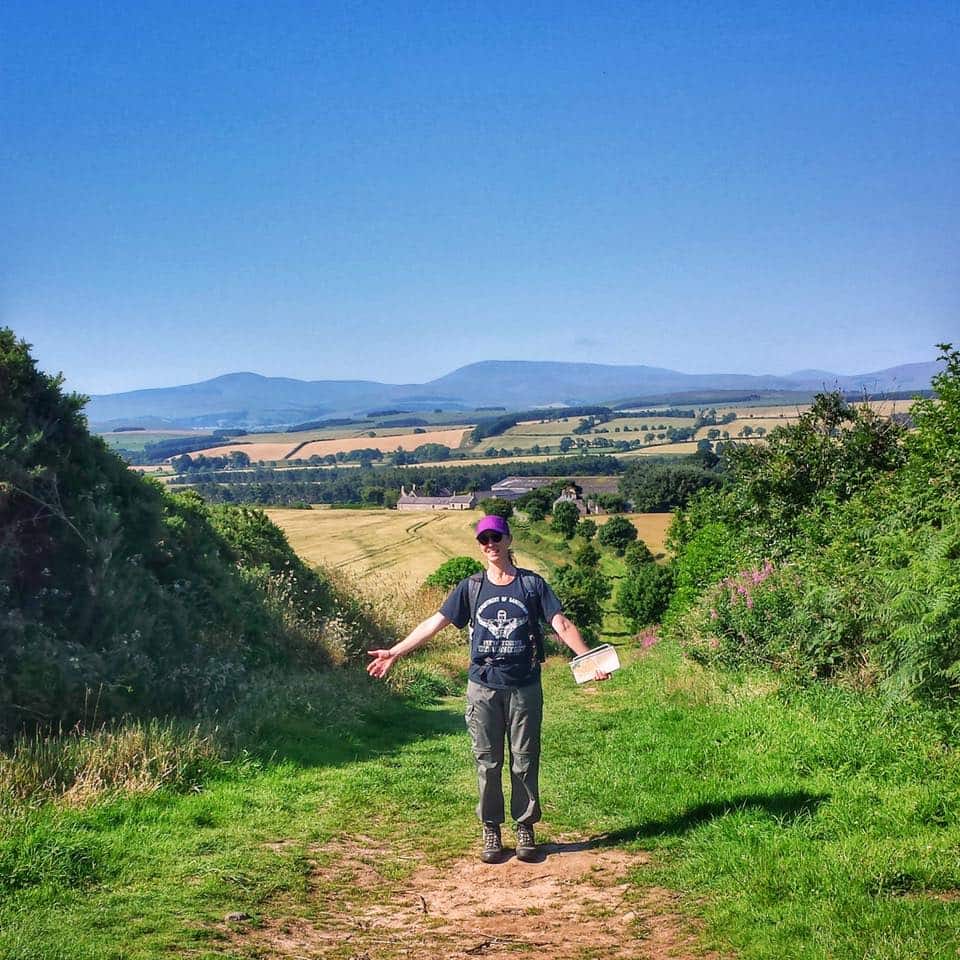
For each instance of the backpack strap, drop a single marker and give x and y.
(474, 583)
(529, 586)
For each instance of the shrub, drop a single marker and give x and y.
(582, 592)
(155, 602)
(708, 555)
(586, 556)
(586, 528)
(452, 571)
(637, 555)
(617, 532)
(740, 620)
(566, 516)
(919, 612)
(643, 596)
(495, 507)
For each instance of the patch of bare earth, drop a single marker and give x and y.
(575, 903)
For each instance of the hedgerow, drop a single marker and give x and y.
(832, 551)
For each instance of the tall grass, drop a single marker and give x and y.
(80, 766)
(93, 761)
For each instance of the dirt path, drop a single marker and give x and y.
(575, 903)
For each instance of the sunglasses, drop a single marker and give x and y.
(486, 538)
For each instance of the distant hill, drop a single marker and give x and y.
(253, 401)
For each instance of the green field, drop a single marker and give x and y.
(138, 439)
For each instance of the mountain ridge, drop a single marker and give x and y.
(247, 399)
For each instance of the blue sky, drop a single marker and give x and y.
(391, 190)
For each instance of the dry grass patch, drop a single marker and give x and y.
(255, 451)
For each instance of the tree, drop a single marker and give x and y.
(565, 444)
(637, 555)
(372, 494)
(534, 509)
(642, 598)
(833, 451)
(705, 455)
(586, 528)
(586, 555)
(617, 532)
(933, 473)
(495, 507)
(660, 488)
(565, 518)
(431, 451)
(582, 592)
(611, 502)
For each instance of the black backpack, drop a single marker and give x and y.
(531, 599)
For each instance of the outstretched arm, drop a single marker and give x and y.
(383, 660)
(567, 631)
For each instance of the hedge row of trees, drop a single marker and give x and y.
(495, 426)
(266, 485)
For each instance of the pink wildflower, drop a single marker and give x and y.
(713, 613)
(649, 638)
(714, 643)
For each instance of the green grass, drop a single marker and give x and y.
(796, 823)
(806, 824)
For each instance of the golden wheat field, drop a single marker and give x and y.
(255, 451)
(651, 528)
(375, 543)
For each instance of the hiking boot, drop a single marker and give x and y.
(526, 844)
(492, 848)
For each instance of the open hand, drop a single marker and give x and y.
(381, 663)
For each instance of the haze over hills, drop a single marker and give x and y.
(253, 401)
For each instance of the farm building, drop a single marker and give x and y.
(411, 501)
(512, 488)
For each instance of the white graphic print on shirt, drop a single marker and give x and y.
(496, 631)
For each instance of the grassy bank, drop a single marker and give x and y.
(796, 824)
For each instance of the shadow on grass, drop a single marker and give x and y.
(308, 742)
(784, 807)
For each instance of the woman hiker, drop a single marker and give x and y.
(504, 607)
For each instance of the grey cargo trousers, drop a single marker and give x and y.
(515, 714)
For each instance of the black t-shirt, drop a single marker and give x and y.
(503, 651)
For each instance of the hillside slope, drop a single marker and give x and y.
(116, 593)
